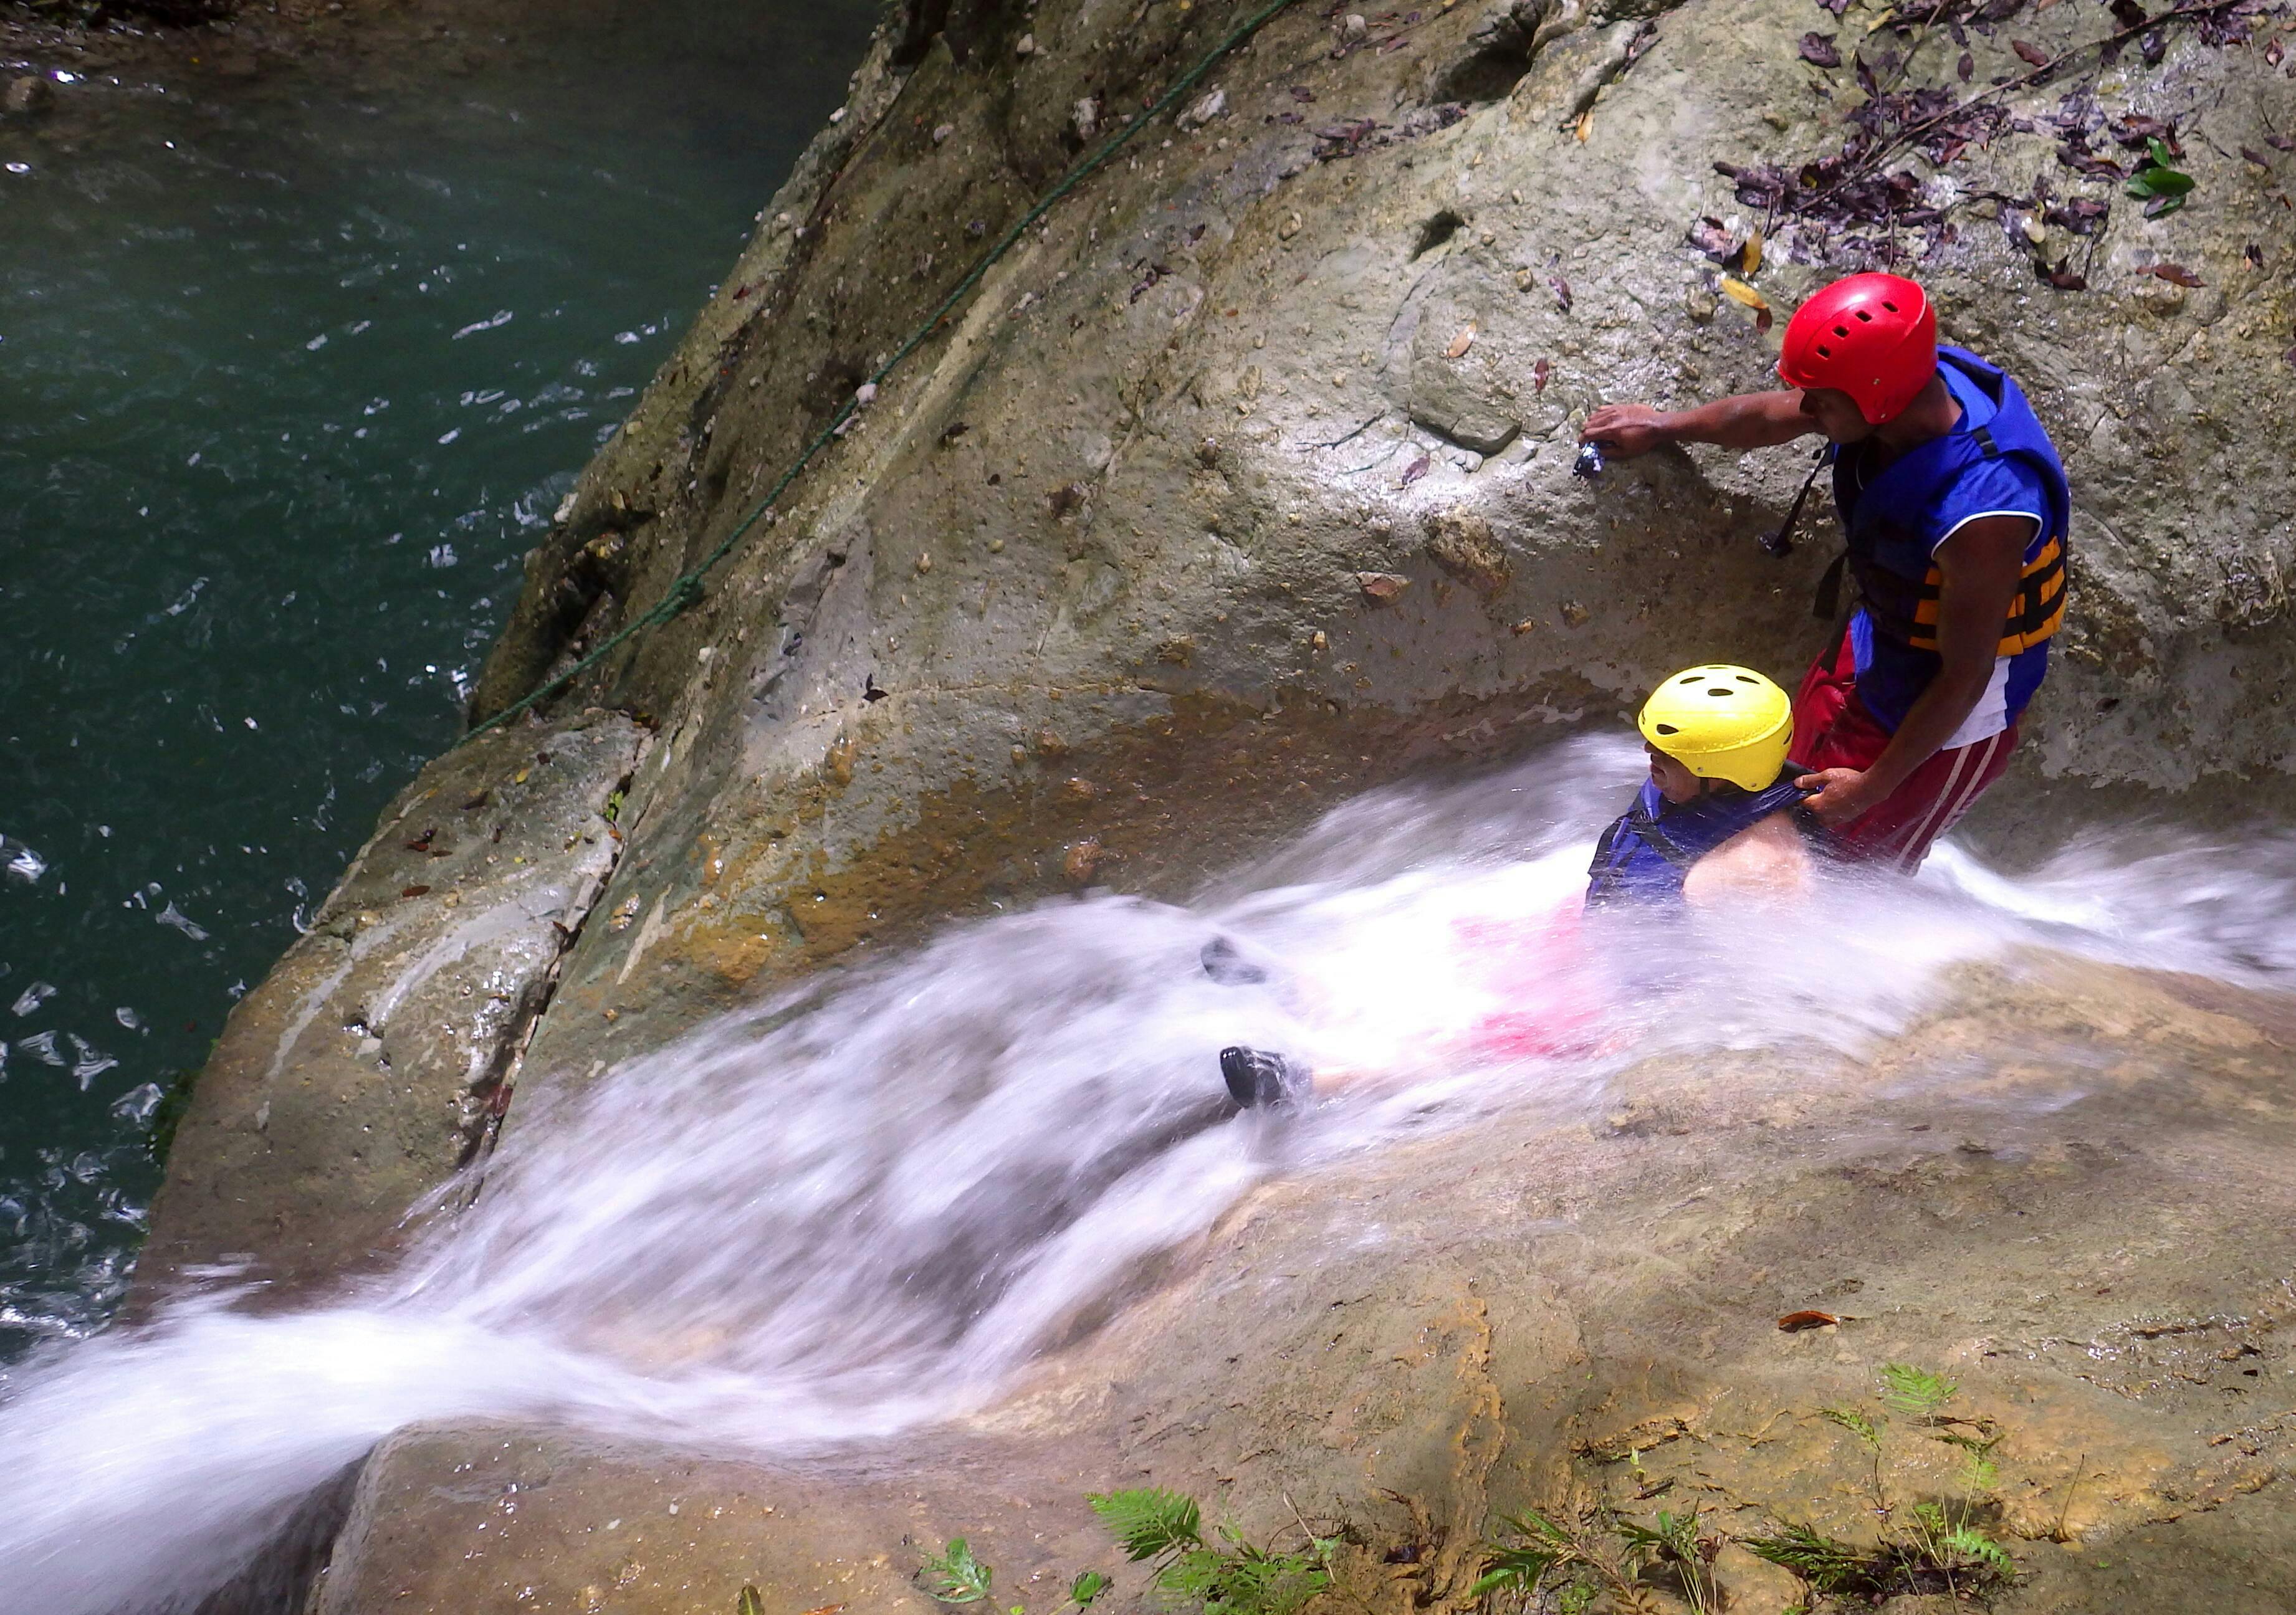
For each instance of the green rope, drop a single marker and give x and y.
(686, 589)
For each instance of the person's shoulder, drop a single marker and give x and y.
(1999, 485)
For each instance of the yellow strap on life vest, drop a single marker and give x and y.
(2037, 612)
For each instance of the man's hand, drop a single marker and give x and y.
(1747, 420)
(1625, 430)
(1842, 794)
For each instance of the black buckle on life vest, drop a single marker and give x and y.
(1780, 544)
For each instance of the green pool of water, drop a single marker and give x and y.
(294, 374)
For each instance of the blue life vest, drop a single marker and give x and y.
(1645, 854)
(1895, 521)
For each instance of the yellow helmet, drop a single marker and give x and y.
(1721, 723)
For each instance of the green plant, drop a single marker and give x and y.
(955, 1575)
(1828, 1564)
(1915, 1392)
(1857, 1424)
(2161, 185)
(1674, 1542)
(1580, 1567)
(1227, 1575)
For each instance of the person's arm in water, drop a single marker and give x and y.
(1980, 565)
(1767, 860)
(1746, 420)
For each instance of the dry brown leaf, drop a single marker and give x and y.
(1382, 587)
(1752, 255)
(1795, 1323)
(1461, 343)
(1415, 470)
(827, 1609)
(1738, 291)
(2030, 52)
(1586, 125)
(2177, 273)
(1538, 374)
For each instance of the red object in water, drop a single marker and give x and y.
(1539, 968)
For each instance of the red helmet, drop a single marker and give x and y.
(1872, 336)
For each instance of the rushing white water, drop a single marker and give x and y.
(863, 1205)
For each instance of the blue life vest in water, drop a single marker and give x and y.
(1896, 518)
(1645, 854)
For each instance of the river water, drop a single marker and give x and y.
(865, 1204)
(296, 369)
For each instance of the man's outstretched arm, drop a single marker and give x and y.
(1746, 420)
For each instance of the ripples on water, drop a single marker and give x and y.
(293, 377)
(865, 1203)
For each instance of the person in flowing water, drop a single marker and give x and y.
(1954, 505)
(1716, 821)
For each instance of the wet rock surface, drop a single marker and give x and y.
(1578, 1307)
(378, 1054)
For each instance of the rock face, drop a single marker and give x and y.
(1080, 597)
(376, 1057)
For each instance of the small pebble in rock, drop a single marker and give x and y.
(1026, 47)
(1355, 27)
(943, 133)
(838, 116)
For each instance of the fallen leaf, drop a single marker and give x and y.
(2129, 13)
(1562, 289)
(2065, 279)
(1527, 624)
(1540, 370)
(1738, 291)
(1586, 125)
(2034, 230)
(413, 891)
(1302, 92)
(749, 1603)
(2030, 52)
(1795, 1323)
(1966, 66)
(1751, 260)
(1461, 343)
(2272, 54)
(475, 803)
(1817, 50)
(1414, 470)
(1708, 235)
(2256, 157)
(2280, 142)
(2177, 272)
(2254, 254)
(1382, 587)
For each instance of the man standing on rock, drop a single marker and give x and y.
(1954, 505)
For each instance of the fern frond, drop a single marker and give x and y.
(1536, 1527)
(955, 1575)
(1979, 1549)
(1915, 1392)
(1826, 1564)
(1857, 1424)
(1149, 1520)
(1517, 1567)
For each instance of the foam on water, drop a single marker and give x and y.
(864, 1204)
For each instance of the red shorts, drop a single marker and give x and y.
(1832, 729)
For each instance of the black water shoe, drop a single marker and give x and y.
(1260, 1079)
(1224, 963)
